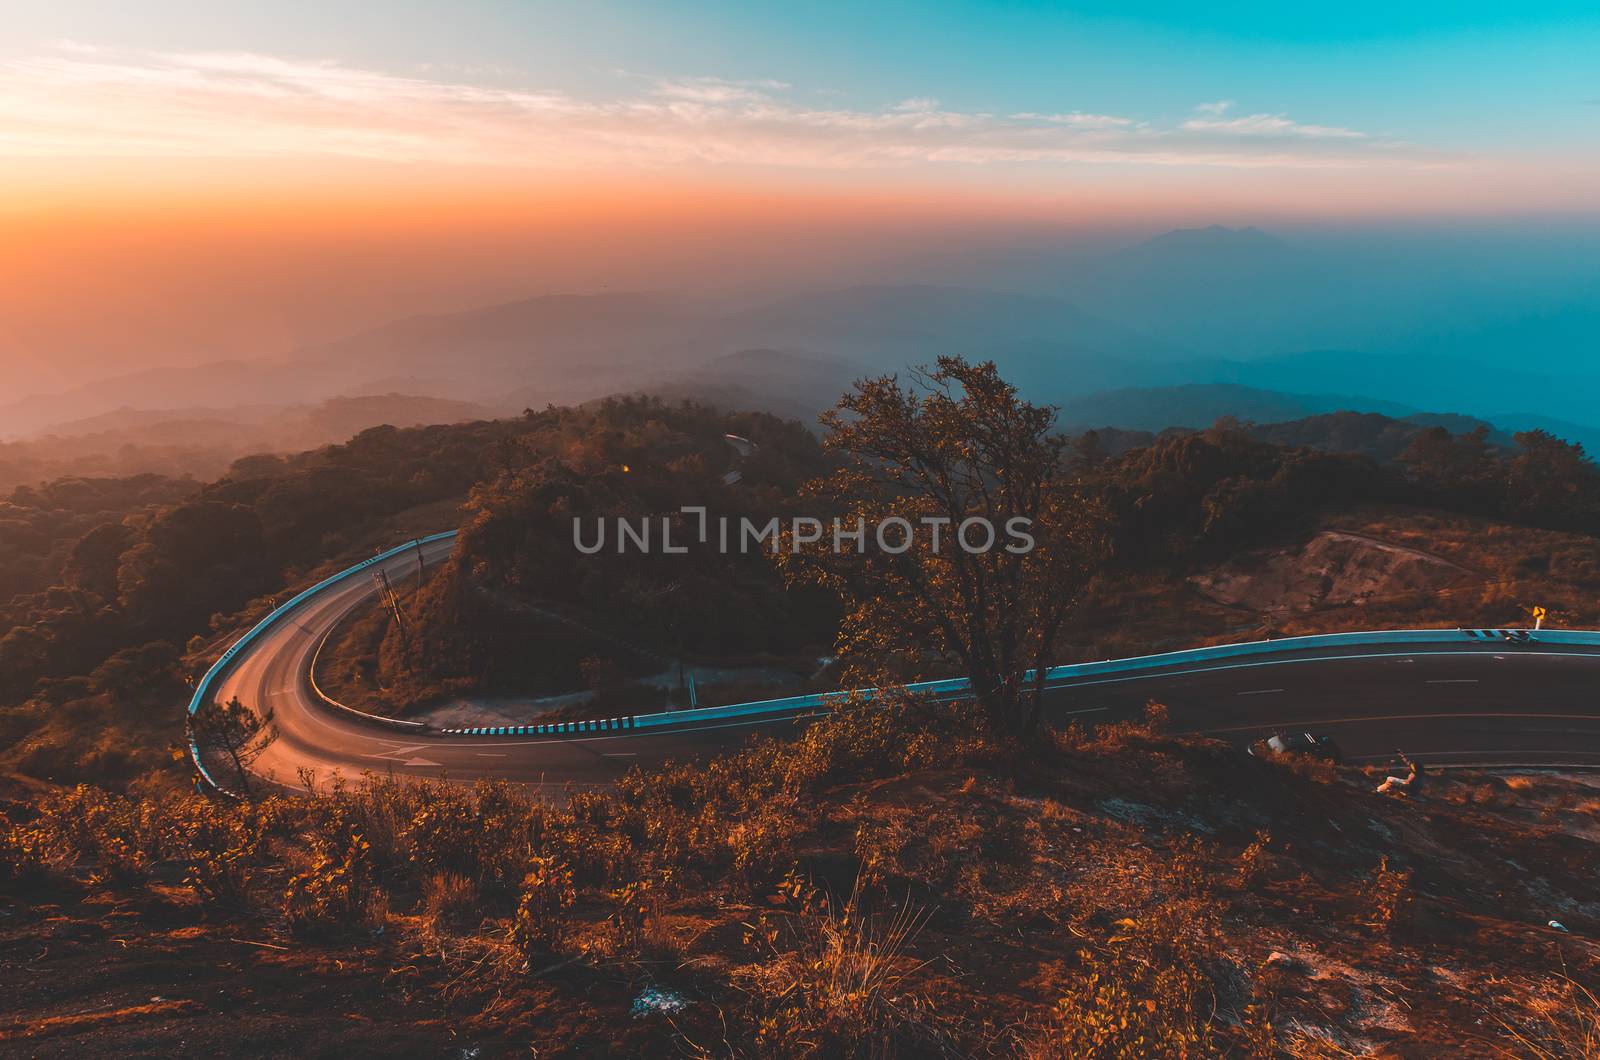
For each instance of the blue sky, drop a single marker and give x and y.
(253, 174)
(1469, 75)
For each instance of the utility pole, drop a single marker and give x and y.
(381, 576)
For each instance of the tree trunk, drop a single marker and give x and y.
(244, 776)
(1036, 710)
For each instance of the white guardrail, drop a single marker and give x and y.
(1055, 677)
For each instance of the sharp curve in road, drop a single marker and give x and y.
(1447, 697)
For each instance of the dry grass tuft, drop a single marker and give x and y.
(452, 904)
(847, 987)
(1566, 1026)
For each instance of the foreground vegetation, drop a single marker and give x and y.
(909, 879)
(891, 883)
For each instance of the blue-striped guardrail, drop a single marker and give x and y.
(954, 687)
(1055, 677)
(204, 690)
(554, 728)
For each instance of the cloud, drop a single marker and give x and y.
(1269, 125)
(716, 89)
(1214, 110)
(89, 102)
(1080, 120)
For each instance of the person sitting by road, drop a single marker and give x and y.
(1405, 785)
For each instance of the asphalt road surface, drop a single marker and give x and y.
(1468, 704)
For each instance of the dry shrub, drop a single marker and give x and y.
(1124, 1009)
(1120, 735)
(225, 849)
(118, 836)
(745, 812)
(1156, 718)
(847, 988)
(22, 854)
(1490, 795)
(635, 906)
(762, 847)
(880, 845)
(1145, 991)
(540, 922)
(378, 809)
(443, 833)
(894, 733)
(451, 904)
(1253, 867)
(1072, 739)
(1387, 898)
(1188, 866)
(1307, 767)
(508, 821)
(418, 829)
(338, 894)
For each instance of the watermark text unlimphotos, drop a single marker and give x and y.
(893, 535)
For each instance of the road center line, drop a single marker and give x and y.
(1386, 717)
(1492, 765)
(1070, 683)
(1260, 692)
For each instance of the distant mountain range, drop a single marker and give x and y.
(1176, 331)
(571, 348)
(800, 387)
(203, 442)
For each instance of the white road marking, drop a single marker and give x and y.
(489, 754)
(1260, 692)
(395, 756)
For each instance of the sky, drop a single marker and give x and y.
(189, 181)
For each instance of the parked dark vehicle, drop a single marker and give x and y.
(1298, 743)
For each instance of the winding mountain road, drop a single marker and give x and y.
(1447, 697)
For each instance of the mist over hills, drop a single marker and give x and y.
(1526, 293)
(203, 442)
(1173, 331)
(1201, 404)
(564, 349)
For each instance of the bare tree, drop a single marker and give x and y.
(235, 730)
